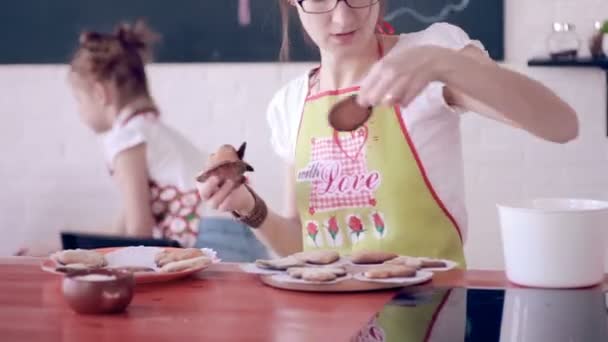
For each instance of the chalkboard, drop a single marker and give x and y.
(46, 31)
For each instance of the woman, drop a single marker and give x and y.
(396, 184)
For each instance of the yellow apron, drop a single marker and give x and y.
(366, 190)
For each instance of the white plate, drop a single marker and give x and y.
(421, 277)
(254, 269)
(449, 265)
(143, 256)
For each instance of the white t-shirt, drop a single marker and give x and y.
(432, 124)
(173, 163)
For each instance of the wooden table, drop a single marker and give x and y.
(224, 305)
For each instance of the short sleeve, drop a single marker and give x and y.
(434, 95)
(279, 128)
(122, 137)
(283, 115)
(450, 36)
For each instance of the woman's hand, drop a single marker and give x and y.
(403, 74)
(475, 83)
(225, 197)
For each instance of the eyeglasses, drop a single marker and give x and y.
(324, 6)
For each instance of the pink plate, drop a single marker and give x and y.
(50, 266)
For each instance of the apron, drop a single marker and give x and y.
(366, 190)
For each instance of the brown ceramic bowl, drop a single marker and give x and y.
(98, 291)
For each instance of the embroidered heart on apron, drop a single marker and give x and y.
(354, 143)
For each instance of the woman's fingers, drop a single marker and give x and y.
(208, 188)
(395, 93)
(221, 194)
(369, 86)
(237, 199)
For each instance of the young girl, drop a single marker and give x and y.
(396, 184)
(152, 164)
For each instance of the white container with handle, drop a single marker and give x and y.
(554, 242)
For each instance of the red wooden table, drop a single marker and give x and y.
(222, 305)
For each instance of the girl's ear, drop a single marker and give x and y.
(292, 2)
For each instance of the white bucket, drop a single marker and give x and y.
(554, 242)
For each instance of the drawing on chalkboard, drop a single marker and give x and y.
(444, 11)
(225, 31)
(244, 13)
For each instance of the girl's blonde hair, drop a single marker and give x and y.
(116, 58)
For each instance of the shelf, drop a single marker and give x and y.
(599, 63)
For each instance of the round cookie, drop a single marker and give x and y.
(168, 256)
(405, 261)
(318, 257)
(371, 257)
(280, 264)
(318, 275)
(79, 258)
(390, 271)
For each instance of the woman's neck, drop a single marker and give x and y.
(340, 71)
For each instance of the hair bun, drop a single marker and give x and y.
(104, 46)
(137, 37)
(88, 36)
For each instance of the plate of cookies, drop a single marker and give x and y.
(148, 264)
(341, 279)
(366, 259)
(315, 258)
(328, 271)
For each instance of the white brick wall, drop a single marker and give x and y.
(53, 177)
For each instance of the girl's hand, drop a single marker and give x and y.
(226, 197)
(403, 74)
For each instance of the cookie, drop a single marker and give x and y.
(338, 271)
(390, 271)
(371, 257)
(183, 265)
(226, 164)
(318, 275)
(172, 255)
(405, 261)
(297, 272)
(85, 258)
(347, 115)
(72, 267)
(432, 263)
(133, 269)
(318, 257)
(233, 171)
(280, 264)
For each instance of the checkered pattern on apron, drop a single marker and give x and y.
(348, 151)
